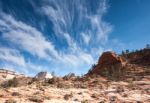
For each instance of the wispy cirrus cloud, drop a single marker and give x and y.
(79, 19)
(26, 37)
(11, 55)
(86, 38)
(83, 30)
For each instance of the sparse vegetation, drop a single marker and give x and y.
(10, 83)
(119, 89)
(84, 101)
(33, 80)
(80, 85)
(53, 80)
(92, 67)
(64, 85)
(16, 94)
(69, 76)
(10, 101)
(131, 85)
(96, 96)
(36, 99)
(68, 96)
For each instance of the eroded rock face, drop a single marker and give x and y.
(109, 64)
(8, 74)
(43, 75)
(109, 58)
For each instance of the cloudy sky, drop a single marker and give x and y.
(68, 35)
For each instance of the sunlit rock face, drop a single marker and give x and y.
(7, 74)
(109, 64)
(43, 75)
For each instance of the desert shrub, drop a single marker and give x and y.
(60, 85)
(84, 101)
(119, 89)
(78, 78)
(92, 67)
(64, 85)
(36, 93)
(76, 99)
(53, 80)
(96, 81)
(36, 99)
(33, 80)
(102, 101)
(1, 95)
(124, 95)
(96, 96)
(10, 101)
(11, 83)
(68, 96)
(47, 97)
(16, 94)
(131, 85)
(93, 76)
(80, 85)
(69, 76)
(113, 72)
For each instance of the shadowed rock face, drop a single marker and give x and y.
(108, 62)
(141, 57)
(43, 75)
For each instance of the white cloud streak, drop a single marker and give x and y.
(27, 38)
(11, 55)
(31, 40)
(62, 18)
(86, 38)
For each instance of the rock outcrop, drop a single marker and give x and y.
(140, 57)
(109, 64)
(7, 74)
(43, 75)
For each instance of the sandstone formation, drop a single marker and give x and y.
(43, 75)
(141, 57)
(7, 74)
(109, 64)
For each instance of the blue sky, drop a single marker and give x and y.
(68, 35)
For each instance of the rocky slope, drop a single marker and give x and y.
(115, 79)
(7, 74)
(131, 65)
(109, 64)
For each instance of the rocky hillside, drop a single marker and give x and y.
(115, 79)
(139, 57)
(134, 65)
(7, 74)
